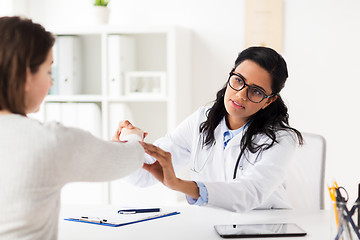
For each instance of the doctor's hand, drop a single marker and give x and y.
(125, 128)
(163, 171)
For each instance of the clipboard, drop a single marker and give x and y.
(121, 220)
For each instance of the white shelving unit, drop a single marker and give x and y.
(164, 50)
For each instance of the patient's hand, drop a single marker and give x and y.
(127, 131)
(125, 128)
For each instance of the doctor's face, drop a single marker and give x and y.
(237, 103)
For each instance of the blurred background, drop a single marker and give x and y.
(320, 40)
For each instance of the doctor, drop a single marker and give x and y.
(238, 149)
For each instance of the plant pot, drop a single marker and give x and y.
(100, 15)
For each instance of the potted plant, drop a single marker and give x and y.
(101, 11)
(102, 3)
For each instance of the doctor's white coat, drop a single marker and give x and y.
(260, 180)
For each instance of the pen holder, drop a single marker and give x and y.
(344, 224)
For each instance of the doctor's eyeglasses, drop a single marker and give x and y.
(237, 82)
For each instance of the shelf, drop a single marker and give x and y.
(111, 73)
(110, 29)
(99, 98)
(138, 99)
(74, 98)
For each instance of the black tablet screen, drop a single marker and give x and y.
(259, 230)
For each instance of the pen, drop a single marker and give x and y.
(134, 211)
(333, 199)
(358, 207)
(94, 220)
(341, 205)
(351, 222)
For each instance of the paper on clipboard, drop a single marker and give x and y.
(113, 219)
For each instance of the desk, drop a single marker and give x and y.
(193, 223)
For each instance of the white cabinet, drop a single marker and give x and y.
(136, 73)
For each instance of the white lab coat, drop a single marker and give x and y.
(257, 186)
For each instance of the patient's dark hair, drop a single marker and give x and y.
(266, 121)
(23, 45)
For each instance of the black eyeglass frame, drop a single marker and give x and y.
(232, 73)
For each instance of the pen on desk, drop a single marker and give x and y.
(134, 211)
(94, 220)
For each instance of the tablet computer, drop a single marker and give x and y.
(259, 230)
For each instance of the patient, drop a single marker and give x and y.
(37, 159)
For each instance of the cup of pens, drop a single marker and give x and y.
(345, 216)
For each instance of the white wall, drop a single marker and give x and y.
(217, 28)
(322, 51)
(321, 47)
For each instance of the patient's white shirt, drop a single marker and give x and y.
(37, 160)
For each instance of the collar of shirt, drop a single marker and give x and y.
(229, 134)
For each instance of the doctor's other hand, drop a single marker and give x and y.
(162, 169)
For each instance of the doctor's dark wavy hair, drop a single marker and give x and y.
(266, 121)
